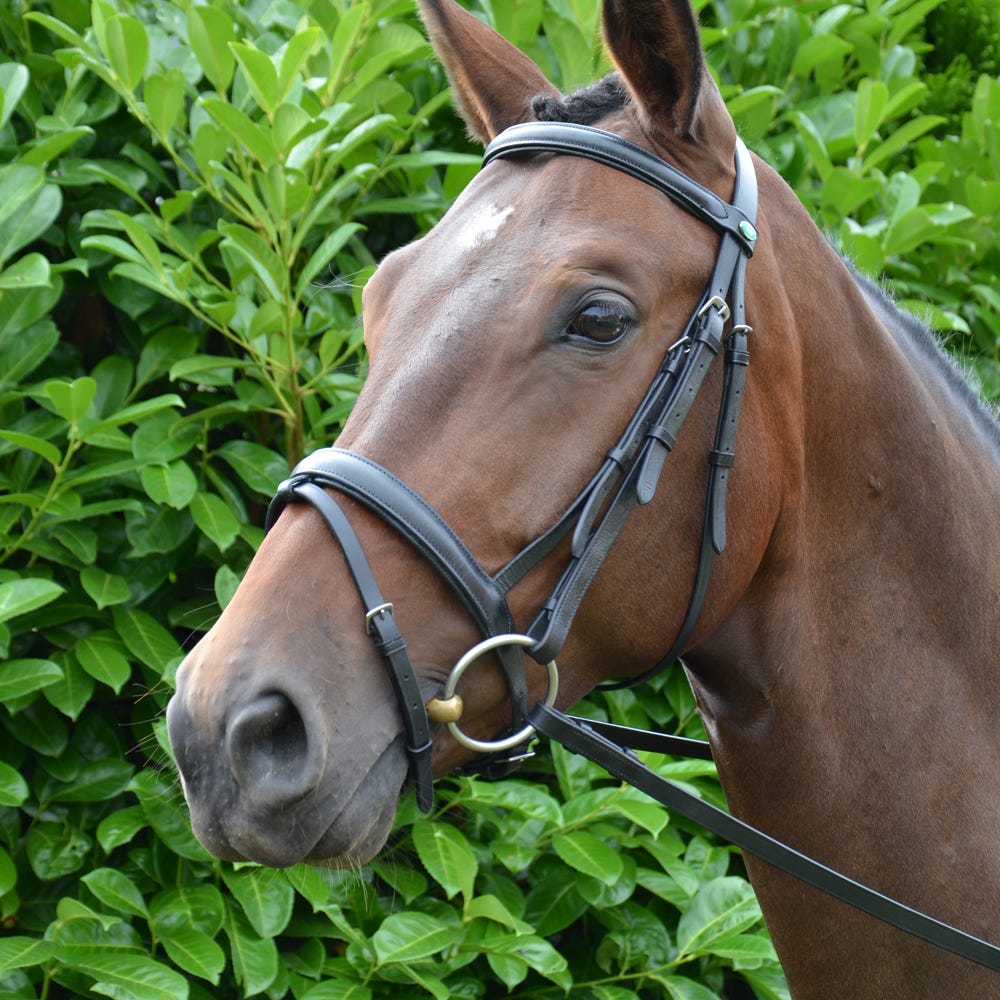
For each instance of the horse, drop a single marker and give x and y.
(843, 653)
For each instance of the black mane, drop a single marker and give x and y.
(901, 323)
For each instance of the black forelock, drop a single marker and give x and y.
(584, 107)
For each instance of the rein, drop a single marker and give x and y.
(628, 476)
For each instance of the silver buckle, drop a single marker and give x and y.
(716, 302)
(379, 612)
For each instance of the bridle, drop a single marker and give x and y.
(628, 476)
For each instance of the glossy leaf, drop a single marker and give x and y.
(13, 789)
(18, 597)
(266, 901)
(127, 48)
(145, 637)
(21, 677)
(720, 908)
(589, 854)
(447, 856)
(195, 953)
(255, 959)
(174, 485)
(102, 655)
(407, 937)
(116, 890)
(209, 32)
(132, 977)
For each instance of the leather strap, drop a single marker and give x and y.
(382, 628)
(614, 151)
(581, 737)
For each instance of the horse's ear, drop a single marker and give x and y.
(493, 81)
(656, 46)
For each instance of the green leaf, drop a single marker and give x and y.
(163, 95)
(71, 399)
(259, 467)
(44, 151)
(29, 271)
(105, 589)
(18, 597)
(720, 908)
(300, 46)
(553, 904)
(145, 638)
(38, 445)
(30, 220)
(96, 782)
(163, 804)
(201, 907)
(256, 140)
(588, 854)
(120, 827)
(447, 856)
(872, 97)
(194, 952)
(224, 585)
(116, 890)
(13, 790)
(127, 48)
(260, 74)
(323, 254)
(21, 677)
(649, 815)
(682, 988)
(132, 977)
(55, 850)
(337, 990)
(102, 655)
(406, 937)
(215, 519)
(255, 959)
(13, 82)
(174, 484)
(210, 30)
(262, 259)
(72, 693)
(21, 952)
(901, 138)
(490, 908)
(266, 901)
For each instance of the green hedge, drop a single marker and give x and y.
(191, 198)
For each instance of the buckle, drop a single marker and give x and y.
(377, 612)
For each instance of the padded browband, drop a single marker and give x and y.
(614, 151)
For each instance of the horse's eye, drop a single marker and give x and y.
(600, 322)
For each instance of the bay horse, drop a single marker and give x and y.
(844, 654)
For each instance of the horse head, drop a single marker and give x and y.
(509, 348)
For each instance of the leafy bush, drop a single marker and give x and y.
(191, 197)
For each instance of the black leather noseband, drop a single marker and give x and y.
(628, 475)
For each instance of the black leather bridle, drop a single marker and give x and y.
(628, 476)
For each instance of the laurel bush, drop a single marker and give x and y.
(191, 198)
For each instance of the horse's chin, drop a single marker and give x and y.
(363, 817)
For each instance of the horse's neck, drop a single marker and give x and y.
(883, 573)
(852, 696)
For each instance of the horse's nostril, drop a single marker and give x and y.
(271, 754)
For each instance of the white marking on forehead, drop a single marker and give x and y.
(482, 226)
